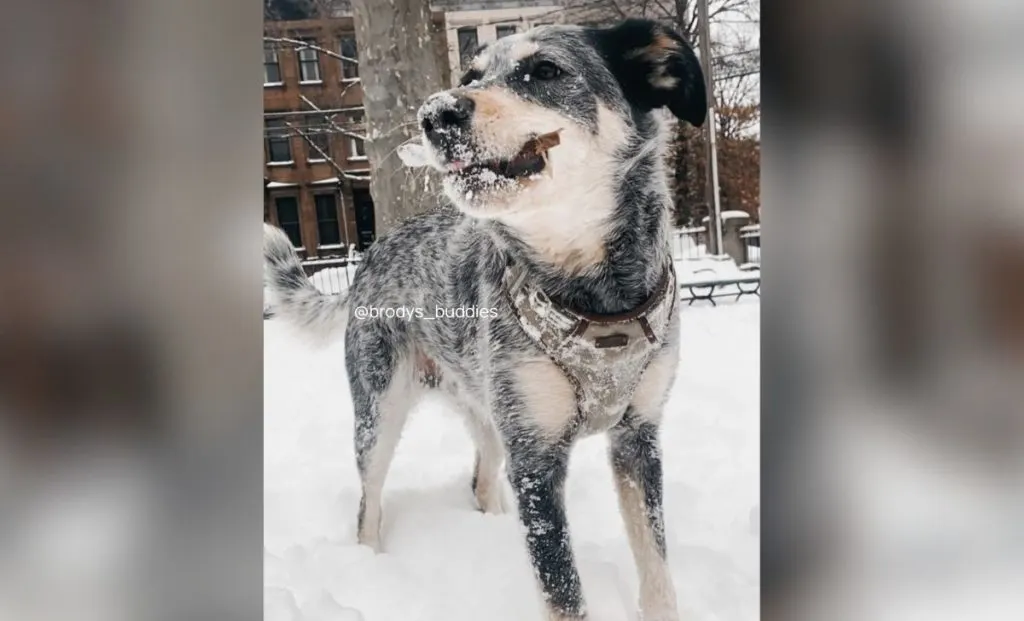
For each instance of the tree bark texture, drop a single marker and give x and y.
(399, 70)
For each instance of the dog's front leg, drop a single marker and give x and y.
(635, 453)
(536, 469)
(535, 405)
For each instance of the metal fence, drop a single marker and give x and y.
(331, 275)
(751, 236)
(691, 243)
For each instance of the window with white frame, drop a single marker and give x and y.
(279, 148)
(355, 124)
(309, 62)
(288, 218)
(349, 69)
(319, 145)
(505, 30)
(327, 220)
(271, 65)
(468, 45)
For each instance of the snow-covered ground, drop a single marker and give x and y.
(444, 561)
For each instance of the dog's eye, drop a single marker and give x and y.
(545, 70)
(471, 76)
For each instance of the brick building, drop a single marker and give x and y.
(313, 115)
(320, 208)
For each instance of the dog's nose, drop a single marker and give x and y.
(445, 111)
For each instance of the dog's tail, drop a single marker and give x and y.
(293, 296)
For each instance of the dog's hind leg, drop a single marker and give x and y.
(382, 389)
(635, 453)
(487, 485)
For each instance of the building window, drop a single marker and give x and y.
(362, 204)
(288, 218)
(506, 30)
(356, 146)
(271, 66)
(309, 63)
(320, 136)
(327, 220)
(279, 147)
(468, 45)
(349, 70)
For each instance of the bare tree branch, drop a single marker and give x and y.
(349, 86)
(665, 11)
(330, 120)
(618, 9)
(341, 172)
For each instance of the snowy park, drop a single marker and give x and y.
(443, 559)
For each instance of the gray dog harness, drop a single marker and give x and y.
(603, 356)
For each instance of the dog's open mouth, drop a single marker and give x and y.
(531, 160)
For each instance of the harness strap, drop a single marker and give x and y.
(586, 347)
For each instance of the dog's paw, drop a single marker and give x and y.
(374, 545)
(658, 612)
(370, 537)
(492, 500)
(497, 504)
(371, 542)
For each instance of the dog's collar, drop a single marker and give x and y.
(554, 325)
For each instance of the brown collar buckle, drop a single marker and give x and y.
(611, 340)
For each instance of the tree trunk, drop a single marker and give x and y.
(398, 71)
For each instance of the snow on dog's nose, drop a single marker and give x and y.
(443, 113)
(445, 119)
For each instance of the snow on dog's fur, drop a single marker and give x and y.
(589, 222)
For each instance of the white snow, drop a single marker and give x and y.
(436, 103)
(445, 561)
(729, 214)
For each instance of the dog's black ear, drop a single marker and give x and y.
(655, 67)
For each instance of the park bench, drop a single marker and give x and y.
(706, 283)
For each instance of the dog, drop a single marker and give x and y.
(563, 260)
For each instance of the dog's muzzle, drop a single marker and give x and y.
(445, 119)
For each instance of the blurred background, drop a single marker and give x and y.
(893, 340)
(130, 331)
(131, 341)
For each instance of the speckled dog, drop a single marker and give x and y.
(565, 257)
